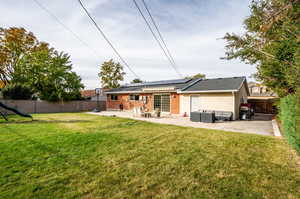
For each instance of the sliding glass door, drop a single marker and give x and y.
(162, 102)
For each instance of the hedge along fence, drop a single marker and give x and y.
(290, 117)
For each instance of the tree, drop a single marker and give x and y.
(15, 43)
(272, 43)
(17, 92)
(111, 74)
(198, 75)
(49, 73)
(28, 62)
(136, 80)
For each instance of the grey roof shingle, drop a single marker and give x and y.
(232, 83)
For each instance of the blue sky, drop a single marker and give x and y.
(191, 28)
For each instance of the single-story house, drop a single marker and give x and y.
(182, 96)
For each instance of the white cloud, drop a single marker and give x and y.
(191, 29)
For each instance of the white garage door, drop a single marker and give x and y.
(195, 103)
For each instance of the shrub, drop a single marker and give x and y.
(290, 117)
(17, 92)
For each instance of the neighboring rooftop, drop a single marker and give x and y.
(88, 93)
(259, 90)
(226, 84)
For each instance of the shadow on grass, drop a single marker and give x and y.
(44, 121)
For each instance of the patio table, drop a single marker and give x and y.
(147, 114)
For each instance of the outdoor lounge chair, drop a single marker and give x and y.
(220, 115)
(138, 112)
(223, 115)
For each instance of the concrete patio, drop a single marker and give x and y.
(261, 124)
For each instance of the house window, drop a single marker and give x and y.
(162, 102)
(134, 97)
(145, 99)
(114, 97)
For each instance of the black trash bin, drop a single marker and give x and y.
(195, 116)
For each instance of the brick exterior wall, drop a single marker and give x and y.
(130, 104)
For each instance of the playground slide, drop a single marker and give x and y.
(14, 110)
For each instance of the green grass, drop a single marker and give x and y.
(87, 156)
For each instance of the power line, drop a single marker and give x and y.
(64, 26)
(159, 34)
(104, 36)
(155, 37)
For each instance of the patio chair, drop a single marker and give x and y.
(138, 112)
(135, 112)
(141, 112)
(156, 112)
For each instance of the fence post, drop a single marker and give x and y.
(34, 104)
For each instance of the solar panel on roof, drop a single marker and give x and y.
(132, 85)
(174, 81)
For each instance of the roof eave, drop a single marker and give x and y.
(178, 91)
(122, 92)
(209, 91)
(139, 92)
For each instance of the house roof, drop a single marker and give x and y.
(218, 84)
(186, 85)
(177, 84)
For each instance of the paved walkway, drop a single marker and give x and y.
(261, 124)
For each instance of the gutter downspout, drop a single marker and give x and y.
(234, 108)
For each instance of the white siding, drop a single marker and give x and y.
(209, 101)
(184, 104)
(195, 102)
(217, 101)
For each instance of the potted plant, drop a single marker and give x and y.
(157, 112)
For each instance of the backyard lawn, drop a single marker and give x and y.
(88, 156)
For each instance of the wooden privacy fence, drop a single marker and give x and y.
(35, 106)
